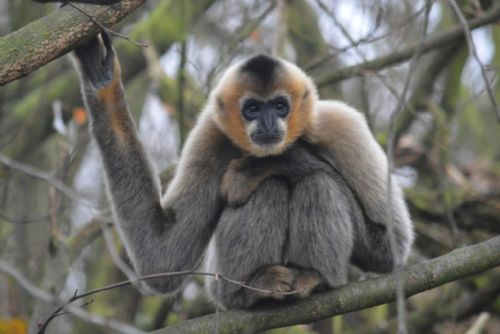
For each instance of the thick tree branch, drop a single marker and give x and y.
(355, 296)
(438, 41)
(54, 35)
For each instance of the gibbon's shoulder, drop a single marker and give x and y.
(332, 119)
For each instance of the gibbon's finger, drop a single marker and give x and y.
(96, 60)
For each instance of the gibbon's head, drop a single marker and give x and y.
(264, 104)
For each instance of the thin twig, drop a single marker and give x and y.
(181, 87)
(351, 40)
(437, 41)
(228, 54)
(472, 48)
(363, 40)
(109, 31)
(217, 316)
(400, 298)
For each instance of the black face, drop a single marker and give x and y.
(266, 113)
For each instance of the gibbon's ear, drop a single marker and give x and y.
(96, 60)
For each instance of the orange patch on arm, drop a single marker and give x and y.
(113, 99)
(110, 93)
(120, 124)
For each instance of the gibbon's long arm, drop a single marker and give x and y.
(161, 235)
(343, 137)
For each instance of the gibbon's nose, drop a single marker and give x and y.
(269, 119)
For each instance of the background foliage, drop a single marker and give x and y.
(437, 102)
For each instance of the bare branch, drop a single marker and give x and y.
(33, 290)
(438, 41)
(54, 35)
(473, 51)
(39, 174)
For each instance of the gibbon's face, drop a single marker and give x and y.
(265, 120)
(265, 105)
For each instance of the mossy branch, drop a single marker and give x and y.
(54, 35)
(455, 265)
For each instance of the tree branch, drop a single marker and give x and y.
(355, 296)
(41, 294)
(438, 41)
(54, 35)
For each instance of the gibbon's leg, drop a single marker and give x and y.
(371, 251)
(331, 207)
(321, 227)
(248, 247)
(160, 235)
(322, 212)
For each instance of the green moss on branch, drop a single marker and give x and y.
(54, 35)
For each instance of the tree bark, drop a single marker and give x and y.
(54, 35)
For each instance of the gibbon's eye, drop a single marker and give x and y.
(281, 106)
(251, 109)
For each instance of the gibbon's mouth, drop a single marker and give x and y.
(267, 140)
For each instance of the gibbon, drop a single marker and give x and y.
(279, 190)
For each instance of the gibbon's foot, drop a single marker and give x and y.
(306, 282)
(275, 278)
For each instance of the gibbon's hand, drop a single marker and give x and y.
(96, 60)
(244, 175)
(237, 183)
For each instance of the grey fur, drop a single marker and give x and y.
(248, 238)
(312, 221)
